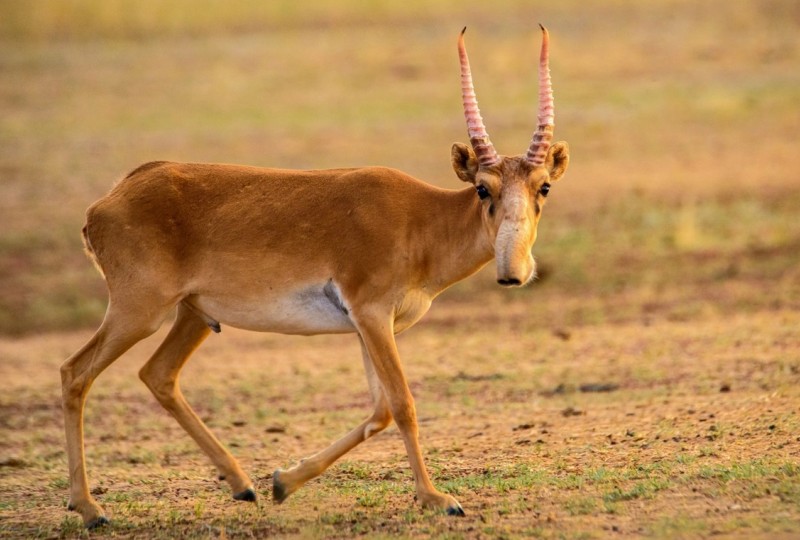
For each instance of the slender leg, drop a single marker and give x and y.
(284, 483)
(379, 340)
(116, 335)
(161, 374)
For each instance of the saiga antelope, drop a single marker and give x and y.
(362, 250)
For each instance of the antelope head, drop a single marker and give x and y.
(512, 189)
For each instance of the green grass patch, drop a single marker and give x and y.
(580, 506)
(645, 489)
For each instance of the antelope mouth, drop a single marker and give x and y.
(517, 279)
(509, 282)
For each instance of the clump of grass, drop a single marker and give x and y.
(580, 506)
(645, 489)
(372, 497)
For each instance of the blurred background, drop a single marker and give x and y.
(682, 196)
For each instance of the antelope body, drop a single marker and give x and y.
(362, 250)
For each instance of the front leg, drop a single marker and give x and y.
(286, 482)
(378, 337)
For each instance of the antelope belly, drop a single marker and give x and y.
(317, 309)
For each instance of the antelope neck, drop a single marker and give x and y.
(463, 245)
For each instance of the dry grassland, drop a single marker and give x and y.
(647, 385)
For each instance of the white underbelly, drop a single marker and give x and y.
(316, 309)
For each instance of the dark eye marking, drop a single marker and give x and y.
(545, 189)
(482, 191)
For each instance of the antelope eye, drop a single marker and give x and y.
(482, 191)
(544, 190)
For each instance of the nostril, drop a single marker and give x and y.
(510, 282)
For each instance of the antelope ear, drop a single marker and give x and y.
(557, 160)
(465, 164)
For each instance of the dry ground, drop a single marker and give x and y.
(646, 385)
(677, 428)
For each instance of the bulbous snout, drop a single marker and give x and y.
(517, 277)
(515, 264)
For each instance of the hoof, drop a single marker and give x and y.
(455, 511)
(279, 493)
(97, 522)
(248, 495)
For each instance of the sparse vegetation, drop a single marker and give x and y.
(646, 385)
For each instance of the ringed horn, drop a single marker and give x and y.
(479, 138)
(540, 143)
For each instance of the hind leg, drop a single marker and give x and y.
(161, 374)
(118, 332)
